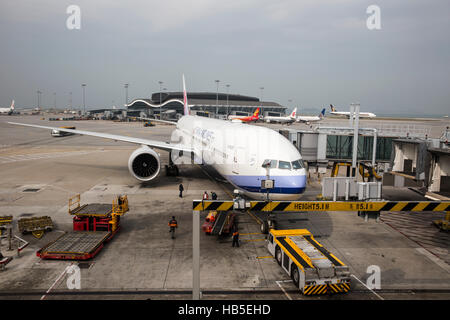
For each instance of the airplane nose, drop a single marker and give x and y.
(294, 184)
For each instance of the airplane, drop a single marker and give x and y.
(288, 119)
(309, 119)
(347, 113)
(254, 117)
(9, 110)
(244, 155)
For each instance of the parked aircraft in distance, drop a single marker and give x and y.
(244, 155)
(254, 117)
(309, 119)
(287, 119)
(9, 110)
(347, 113)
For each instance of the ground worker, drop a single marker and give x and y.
(181, 188)
(235, 238)
(213, 195)
(205, 196)
(173, 225)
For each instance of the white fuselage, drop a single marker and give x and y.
(347, 114)
(237, 151)
(287, 119)
(308, 118)
(6, 110)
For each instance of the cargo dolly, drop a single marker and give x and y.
(36, 225)
(93, 225)
(5, 221)
(313, 269)
(76, 245)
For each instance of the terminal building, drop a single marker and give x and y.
(208, 104)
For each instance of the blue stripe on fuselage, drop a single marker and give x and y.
(283, 184)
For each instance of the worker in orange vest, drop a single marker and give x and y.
(173, 225)
(205, 196)
(235, 238)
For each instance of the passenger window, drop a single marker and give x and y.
(284, 165)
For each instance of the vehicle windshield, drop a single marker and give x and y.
(298, 164)
(284, 165)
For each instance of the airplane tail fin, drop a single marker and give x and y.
(293, 114)
(322, 114)
(333, 109)
(185, 100)
(256, 113)
(12, 105)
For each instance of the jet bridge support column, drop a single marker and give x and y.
(354, 112)
(196, 255)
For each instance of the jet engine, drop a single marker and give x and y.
(144, 164)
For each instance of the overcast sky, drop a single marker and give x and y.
(311, 52)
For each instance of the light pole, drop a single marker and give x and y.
(126, 93)
(70, 101)
(160, 99)
(228, 108)
(38, 98)
(290, 102)
(83, 86)
(54, 96)
(262, 109)
(217, 98)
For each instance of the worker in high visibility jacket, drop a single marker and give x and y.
(235, 238)
(173, 225)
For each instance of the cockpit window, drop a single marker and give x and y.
(298, 164)
(273, 163)
(284, 165)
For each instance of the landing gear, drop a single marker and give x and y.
(171, 169)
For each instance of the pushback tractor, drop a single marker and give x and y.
(313, 269)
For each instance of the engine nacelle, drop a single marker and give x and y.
(144, 164)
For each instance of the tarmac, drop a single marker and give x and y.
(143, 262)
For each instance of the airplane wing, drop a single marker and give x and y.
(151, 143)
(158, 120)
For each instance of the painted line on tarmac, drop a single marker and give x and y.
(282, 289)
(264, 257)
(379, 297)
(441, 263)
(54, 283)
